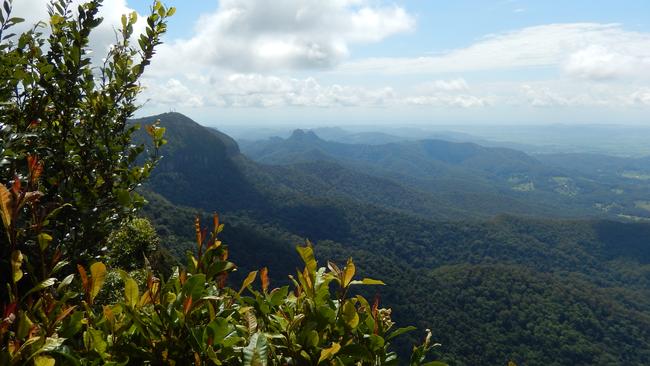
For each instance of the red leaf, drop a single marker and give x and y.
(264, 277)
(84, 277)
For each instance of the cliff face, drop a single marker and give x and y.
(202, 163)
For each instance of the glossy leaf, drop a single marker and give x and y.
(328, 353)
(98, 273)
(131, 292)
(256, 352)
(248, 280)
(5, 206)
(43, 360)
(16, 263)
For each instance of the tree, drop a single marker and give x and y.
(68, 118)
(129, 245)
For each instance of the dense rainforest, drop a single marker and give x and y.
(517, 288)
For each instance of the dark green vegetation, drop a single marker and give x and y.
(536, 291)
(479, 181)
(69, 170)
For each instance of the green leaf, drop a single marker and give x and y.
(367, 281)
(16, 263)
(278, 295)
(24, 325)
(256, 352)
(328, 353)
(348, 273)
(307, 255)
(52, 344)
(97, 341)
(44, 241)
(248, 280)
(124, 197)
(44, 360)
(376, 342)
(44, 284)
(350, 315)
(194, 286)
(131, 292)
(399, 332)
(59, 266)
(66, 282)
(98, 273)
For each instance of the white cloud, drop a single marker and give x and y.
(445, 93)
(256, 90)
(641, 96)
(441, 100)
(262, 91)
(458, 84)
(172, 93)
(553, 45)
(543, 97)
(598, 62)
(580, 93)
(251, 35)
(102, 37)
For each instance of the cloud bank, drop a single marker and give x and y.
(251, 35)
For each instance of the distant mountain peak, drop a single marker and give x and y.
(304, 135)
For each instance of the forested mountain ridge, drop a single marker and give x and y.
(503, 179)
(508, 288)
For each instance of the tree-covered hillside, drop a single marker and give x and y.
(536, 291)
(501, 179)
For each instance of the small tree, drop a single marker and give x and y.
(68, 118)
(129, 245)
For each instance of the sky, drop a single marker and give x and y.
(402, 62)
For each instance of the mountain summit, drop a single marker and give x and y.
(304, 136)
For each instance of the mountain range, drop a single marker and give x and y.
(503, 255)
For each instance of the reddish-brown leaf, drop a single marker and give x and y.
(16, 186)
(5, 205)
(65, 313)
(187, 304)
(264, 277)
(84, 277)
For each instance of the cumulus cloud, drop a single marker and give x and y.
(458, 84)
(441, 100)
(104, 35)
(641, 97)
(581, 49)
(241, 90)
(598, 62)
(251, 35)
(256, 90)
(445, 93)
(172, 93)
(543, 97)
(552, 93)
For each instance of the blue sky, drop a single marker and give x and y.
(316, 62)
